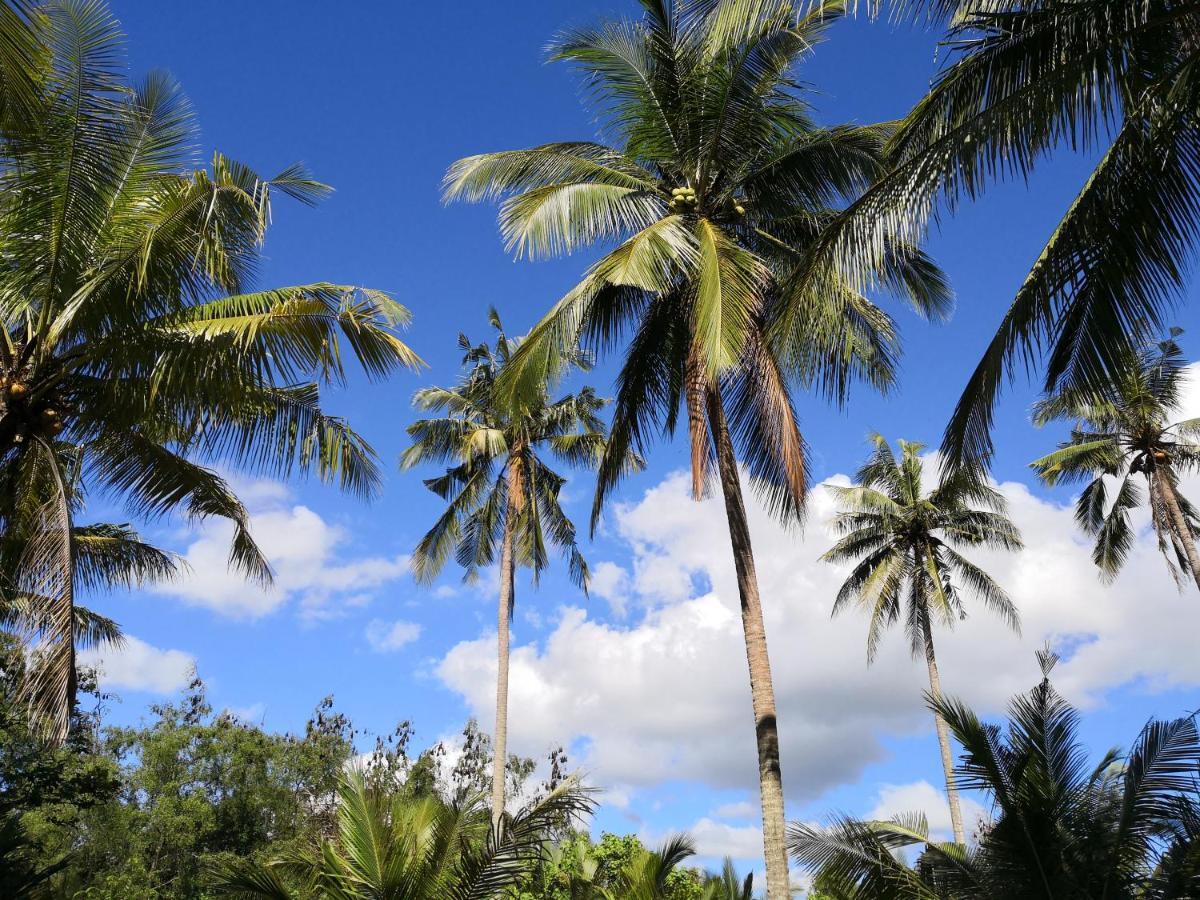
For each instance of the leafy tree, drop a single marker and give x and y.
(1125, 827)
(393, 846)
(1114, 79)
(904, 544)
(1123, 430)
(131, 352)
(619, 867)
(716, 189)
(499, 488)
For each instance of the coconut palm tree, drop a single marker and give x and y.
(1113, 79)
(715, 186)
(1125, 827)
(1121, 431)
(904, 544)
(131, 346)
(499, 489)
(406, 848)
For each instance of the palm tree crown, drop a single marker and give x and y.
(1114, 79)
(1121, 431)
(1124, 827)
(127, 336)
(719, 182)
(499, 473)
(905, 544)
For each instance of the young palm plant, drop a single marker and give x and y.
(1122, 431)
(1114, 79)
(499, 489)
(128, 341)
(1126, 828)
(401, 848)
(715, 187)
(904, 544)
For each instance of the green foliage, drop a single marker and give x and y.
(1126, 826)
(1123, 429)
(135, 352)
(711, 205)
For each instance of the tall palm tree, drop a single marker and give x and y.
(407, 848)
(1125, 828)
(129, 345)
(1121, 431)
(905, 544)
(715, 187)
(499, 489)
(1114, 79)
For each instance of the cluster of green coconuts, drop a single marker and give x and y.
(48, 418)
(684, 199)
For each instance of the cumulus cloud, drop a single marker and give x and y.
(303, 550)
(385, 637)
(610, 583)
(138, 666)
(667, 696)
(923, 797)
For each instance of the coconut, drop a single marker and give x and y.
(17, 389)
(740, 210)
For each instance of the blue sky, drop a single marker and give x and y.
(378, 98)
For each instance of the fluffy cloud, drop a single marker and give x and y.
(666, 697)
(923, 797)
(385, 637)
(137, 666)
(610, 583)
(303, 550)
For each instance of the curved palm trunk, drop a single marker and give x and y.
(500, 733)
(762, 690)
(1179, 525)
(943, 733)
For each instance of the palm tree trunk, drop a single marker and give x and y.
(1183, 532)
(500, 733)
(943, 733)
(762, 690)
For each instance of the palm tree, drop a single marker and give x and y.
(406, 848)
(905, 545)
(717, 185)
(1121, 431)
(727, 885)
(1126, 827)
(130, 348)
(1114, 79)
(499, 489)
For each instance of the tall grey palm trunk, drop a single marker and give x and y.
(762, 690)
(1179, 524)
(503, 615)
(943, 733)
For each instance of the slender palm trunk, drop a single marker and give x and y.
(762, 690)
(1183, 532)
(943, 733)
(500, 733)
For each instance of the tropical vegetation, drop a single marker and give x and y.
(740, 253)
(904, 546)
(1124, 826)
(1120, 431)
(720, 185)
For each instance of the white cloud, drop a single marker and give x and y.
(138, 666)
(742, 809)
(302, 549)
(923, 797)
(385, 637)
(610, 583)
(252, 714)
(666, 697)
(719, 839)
